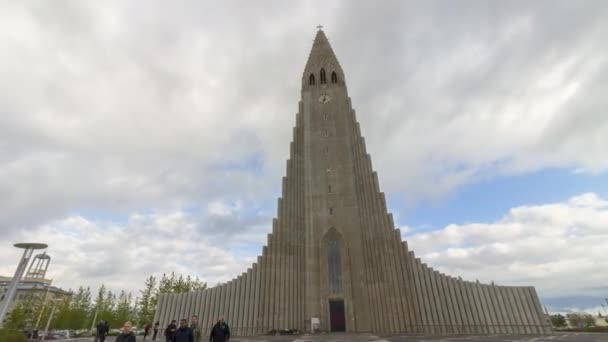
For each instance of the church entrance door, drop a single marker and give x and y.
(336, 315)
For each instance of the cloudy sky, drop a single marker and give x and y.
(147, 137)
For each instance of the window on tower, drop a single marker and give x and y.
(311, 79)
(334, 77)
(323, 79)
(334, 266)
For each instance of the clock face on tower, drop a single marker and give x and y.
(324, 98)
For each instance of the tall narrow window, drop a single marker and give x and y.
(331, 211)
(326, 117)
(311, 79)
(334, 266)
(323, 79)
(329, 189)
(334, 77)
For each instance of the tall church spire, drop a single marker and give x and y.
(321, 57)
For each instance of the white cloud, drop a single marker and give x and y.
(88, 252)
(559, 248)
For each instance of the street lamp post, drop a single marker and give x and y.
(48, 322)
(12, 288)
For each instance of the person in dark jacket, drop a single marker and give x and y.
(170, 331)
(184, 333)
(126, 335)
(102, 331)
(220, 331)
(155, 330)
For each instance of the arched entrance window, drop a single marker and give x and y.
(334, 266)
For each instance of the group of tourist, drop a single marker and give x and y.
(220, 332)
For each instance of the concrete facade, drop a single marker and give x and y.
(334, 246)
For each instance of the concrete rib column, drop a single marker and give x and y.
(441, 314)
(503, 319)
(381, 300)
(476, 329)
(420, 296)
(226, 303)
(273, 273)
(467, 312)
(410, 289)
(182, 300)
(484, 309)
(235, 304)
(221, 301)
(447, 300)
(452, 305)
(255, 313)
(173, 311)
(250, 299)
(208, 312)
(356, 142)
(481, 308)
(439, 322)
(188, 300)
(244, 303)
(264, 300)
(432, 307)
(180, 306)
(161, 309)
(495, 314)
(287, 231)
(520, 329)
(214, 313)
(522, 311)
(204, 304)
(393, 288)
(380, 316)
(265, 309)
(196, 306)
(504, 301)
(428, 298)
(518, 311)
(491, 313)
(510, 313)
(398, 282)
(457, 305)
(546, 328)
(529, 321)
(170, 307)
(232, 300)
(402, 278)
(533, 318)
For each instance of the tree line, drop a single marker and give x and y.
(81, 311)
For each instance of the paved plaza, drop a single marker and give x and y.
(557, 337)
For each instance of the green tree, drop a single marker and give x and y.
(16, 318)
(147, 302)
(124, 309)
(578, 319)
(558, 320)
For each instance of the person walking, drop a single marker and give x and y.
(183, 334)
(170, 331)
(196, 330)
(126, 335)
(102, 331)
(146, 330)
(220, 331)
(155, 330)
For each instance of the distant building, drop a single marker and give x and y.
(34, 287)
